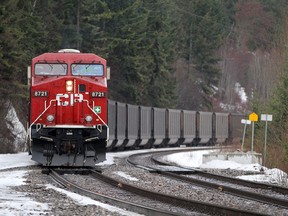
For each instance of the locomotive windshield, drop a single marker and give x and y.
(87, 69)
(47, 69)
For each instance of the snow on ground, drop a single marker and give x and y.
(124, 175)
(15, 160)
(12, 202)
(194, 160)
(15, 203)
(82, 200)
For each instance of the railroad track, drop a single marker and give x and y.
(220, 183)
(256, 185)
(57, 175)
(190, 207)
(259, 185)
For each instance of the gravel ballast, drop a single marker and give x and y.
(61, 204)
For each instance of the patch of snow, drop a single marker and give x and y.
(15, 160)
(124, 175)
(241, 92)
(238, 106)
(224, 164)
(82, 200)
(17, 203)
(188, 159)
(194, 160)
(16, 128)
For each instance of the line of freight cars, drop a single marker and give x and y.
(133, 126)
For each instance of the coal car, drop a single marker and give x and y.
(134, 126)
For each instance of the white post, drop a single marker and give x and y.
(266, 118)
(253, 117)
(265, 143)
(252, 142)
(243, 136)
(245, 122)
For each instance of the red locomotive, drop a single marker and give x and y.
(68, 109)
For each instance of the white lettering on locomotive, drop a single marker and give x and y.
(72, 98)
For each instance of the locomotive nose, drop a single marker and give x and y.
(66, 125)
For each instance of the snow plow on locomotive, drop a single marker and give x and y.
(68, 109)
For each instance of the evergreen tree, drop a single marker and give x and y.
(278, 106)
(161, 37)
(9, 47)
(24, 33)
(134, 37)
(203, 28)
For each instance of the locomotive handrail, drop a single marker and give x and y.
(54, 100)
(103, 122)
(41, 115)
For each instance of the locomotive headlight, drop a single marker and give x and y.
(69, 85)
(50, 118)
(88, 118)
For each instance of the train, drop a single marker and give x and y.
(73, 123)
(67, 123)
(137, 127)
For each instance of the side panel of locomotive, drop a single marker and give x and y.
(68, 109)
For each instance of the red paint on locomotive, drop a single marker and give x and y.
(68, 107)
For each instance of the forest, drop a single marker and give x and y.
(184, 54)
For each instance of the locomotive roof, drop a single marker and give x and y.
(69, 57)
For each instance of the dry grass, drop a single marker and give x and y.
(276, 157)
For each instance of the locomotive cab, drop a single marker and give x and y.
(68, 109)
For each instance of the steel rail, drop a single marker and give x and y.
(259, 185)
(55, 174)
(225, 189)
(176, 201)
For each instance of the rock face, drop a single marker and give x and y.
(12, 132)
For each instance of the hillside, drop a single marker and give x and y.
(168, 53)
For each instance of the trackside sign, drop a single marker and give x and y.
(266, 117)
(253, 117)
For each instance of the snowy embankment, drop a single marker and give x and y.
(261, 173)
(13, 137)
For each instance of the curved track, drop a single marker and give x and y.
(206, 181)
(192, 207)
(173, 200)
(189, 205)
(56, 175)
(250, 184)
